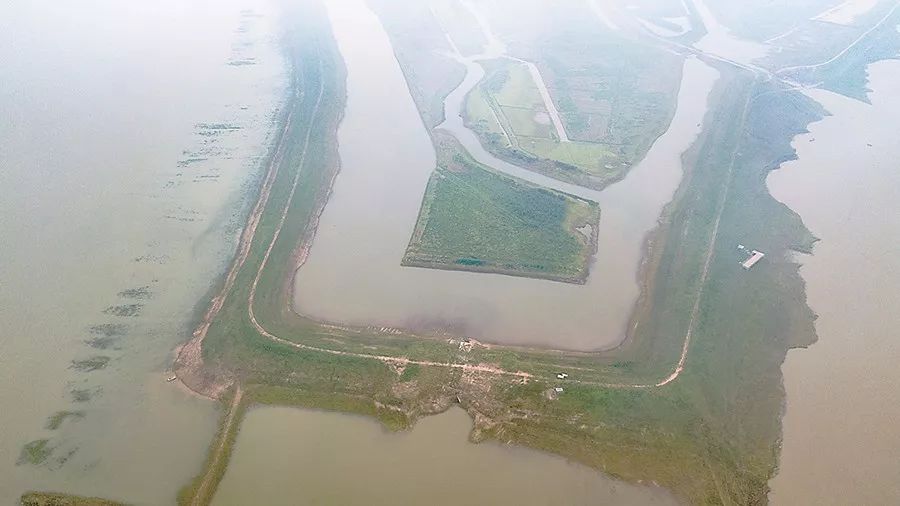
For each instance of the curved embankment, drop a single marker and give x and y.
(188, 365)
(352, 275)
(403, 362)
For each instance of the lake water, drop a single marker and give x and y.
(841, 437)
(291, 456)
(353, 273)
(132, 132)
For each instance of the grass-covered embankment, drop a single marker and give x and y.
(476, 219)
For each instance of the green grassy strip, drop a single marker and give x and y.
(57, 499)
(216, 463)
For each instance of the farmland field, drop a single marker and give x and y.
(612, 109)
(475, 219)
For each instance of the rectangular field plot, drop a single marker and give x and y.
(475, 219)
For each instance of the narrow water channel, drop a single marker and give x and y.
(132, 136)
(841, 440)
(287, 456)
(353, 274)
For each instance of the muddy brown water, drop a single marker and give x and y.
(353, 273)
(131, 134)
(842, 420)
(291, 456)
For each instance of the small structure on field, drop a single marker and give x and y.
(562, 375)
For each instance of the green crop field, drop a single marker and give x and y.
(476, 219)
(508, 103)
(612, 108)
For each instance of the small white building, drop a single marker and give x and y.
(755, 257)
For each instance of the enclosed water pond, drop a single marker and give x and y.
(292, 456)
(353, 274)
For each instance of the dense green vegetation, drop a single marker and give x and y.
(476, 219)
(53, 499)
(615, 95)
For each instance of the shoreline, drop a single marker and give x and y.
(848, 332)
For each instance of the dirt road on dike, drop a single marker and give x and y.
(200, 498)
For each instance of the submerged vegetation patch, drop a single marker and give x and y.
(57, 499)
(91, 364)
(138, 293)
(126, 310)
(473, 218)
(35, 452)
(105, 335)
(108, 330)
(102, 343)
(56, 420)
(81, 395)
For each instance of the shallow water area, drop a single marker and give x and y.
(353, 273)
(292, 456)
(133, 134)
(840, 426)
